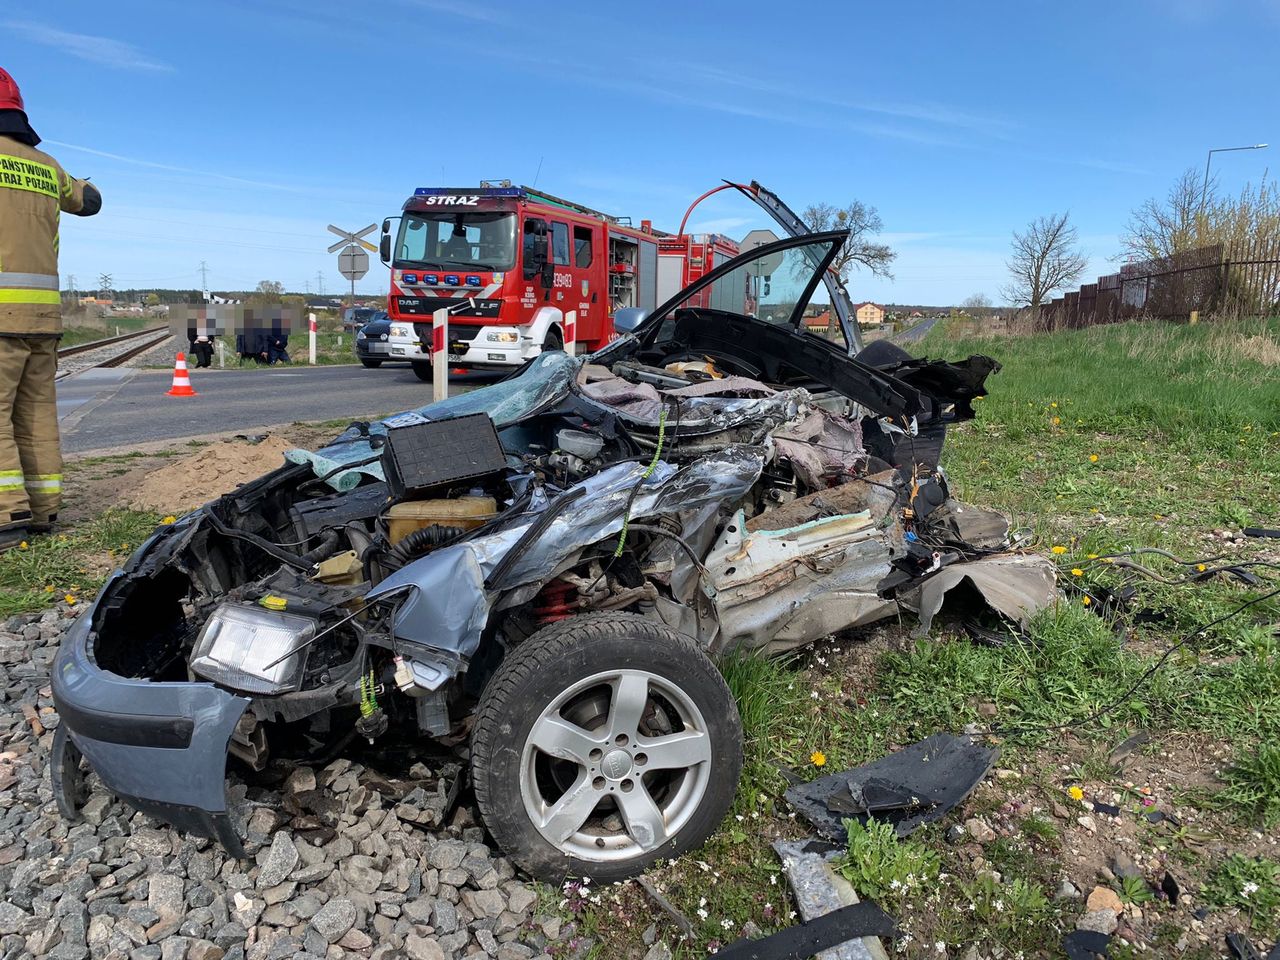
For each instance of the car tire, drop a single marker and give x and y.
(371, 364)
(648, 748)
(422, 371)
(552, 341)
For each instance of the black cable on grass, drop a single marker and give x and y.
(1009, 732)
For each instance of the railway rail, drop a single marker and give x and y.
(129, 344)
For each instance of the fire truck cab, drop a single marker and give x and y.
(520, 271)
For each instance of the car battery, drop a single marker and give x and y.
(431, 454)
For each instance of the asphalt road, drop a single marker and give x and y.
(915, 333)
(102, 410)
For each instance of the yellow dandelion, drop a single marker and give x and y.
(1056, 420)
(1093, 556)
(1054, 404)
(1107, 560)
(1201, 567)
(1059, 550)
(169, 519)
(1077, 572)
(70, 598)
(1087, 601)
(818, 758)
(1158, 516)
(1093, 458)
(1075, 793)
(48, 588)
(23, 545)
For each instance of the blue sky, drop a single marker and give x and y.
(233, 132)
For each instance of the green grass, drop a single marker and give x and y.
(1251, 884)
(1253, 784)
(75, 333)
(73, 564)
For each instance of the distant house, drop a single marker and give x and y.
(819, 322)
(869, 314)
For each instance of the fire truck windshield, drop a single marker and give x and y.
(457, 241)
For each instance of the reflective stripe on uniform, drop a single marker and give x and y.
(44, 481)
(30, 175)
(11, 479)
(30, 296)
(40, 281)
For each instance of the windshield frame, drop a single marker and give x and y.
(449, 217)
(835, 239)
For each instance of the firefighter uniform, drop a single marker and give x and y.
(34, 190)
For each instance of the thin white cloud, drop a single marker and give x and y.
(100, 50)
(170, 167)
(463, 11)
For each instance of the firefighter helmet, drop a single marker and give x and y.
(10, 95)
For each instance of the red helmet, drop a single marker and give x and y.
(10, 95)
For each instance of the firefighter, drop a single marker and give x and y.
(33, 190)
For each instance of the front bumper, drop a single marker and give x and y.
(161, 747)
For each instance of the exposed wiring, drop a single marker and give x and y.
(1137, 684)
(635, 491)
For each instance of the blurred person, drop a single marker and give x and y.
(34, 190)
(200, 336)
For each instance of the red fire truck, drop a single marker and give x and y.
(522, 271)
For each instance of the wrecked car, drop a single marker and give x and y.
(543, 569)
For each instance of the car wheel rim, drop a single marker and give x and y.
(615, 766)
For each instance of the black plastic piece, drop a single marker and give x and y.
(1241, 948)
(804, 940)
(1170, 888)
(1086, 944)
(421, 456)
(1266, 532)
(1111, 810)
(916, 785)
(67, 775)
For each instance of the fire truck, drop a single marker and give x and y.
(521, 271)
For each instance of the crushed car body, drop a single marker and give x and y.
(545, 564)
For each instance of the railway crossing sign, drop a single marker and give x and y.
(353, 263)
(765, 266)
(353, 237)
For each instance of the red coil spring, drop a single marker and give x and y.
(556, 602)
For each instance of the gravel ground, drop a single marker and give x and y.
(343, 861)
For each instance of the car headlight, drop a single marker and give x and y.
(503, 336)
(360, 335)
(401, 331)
(239, 642)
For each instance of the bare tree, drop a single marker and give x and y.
(1044, 259)
(270, 288)
(859, 250)
(1192, 216)
(976, 303)
(1161, 228)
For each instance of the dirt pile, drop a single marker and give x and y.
(219, 468)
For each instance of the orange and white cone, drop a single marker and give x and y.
(181, 379)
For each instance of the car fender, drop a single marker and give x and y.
(544, 319)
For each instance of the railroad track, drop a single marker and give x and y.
(130, 345)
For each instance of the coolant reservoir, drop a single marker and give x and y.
(466, 512)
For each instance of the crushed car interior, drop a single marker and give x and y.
(541, 572)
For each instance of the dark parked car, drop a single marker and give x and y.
(353, 318)
(545, 569)
(371, 340)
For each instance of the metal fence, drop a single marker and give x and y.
(1240, 279)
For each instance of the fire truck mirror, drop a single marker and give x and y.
(384, 248)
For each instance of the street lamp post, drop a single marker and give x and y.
(1209, 159)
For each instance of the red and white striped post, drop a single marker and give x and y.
(311, 338)
(570, 332)
(440, 354)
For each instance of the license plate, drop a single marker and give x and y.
(455, 358)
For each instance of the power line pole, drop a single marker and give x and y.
(320, 282)
(204, 280)
(71, 288)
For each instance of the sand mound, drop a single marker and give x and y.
(219, 468)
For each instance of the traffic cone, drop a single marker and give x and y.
(181, 379)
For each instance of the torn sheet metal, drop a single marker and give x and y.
(451, 604)
(777, 589)
(819, 890)
(918, 784)
(1016, 586)
(820, 446)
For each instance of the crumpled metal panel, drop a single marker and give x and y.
(1017, 585)
(545, 380)
(451, 604)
